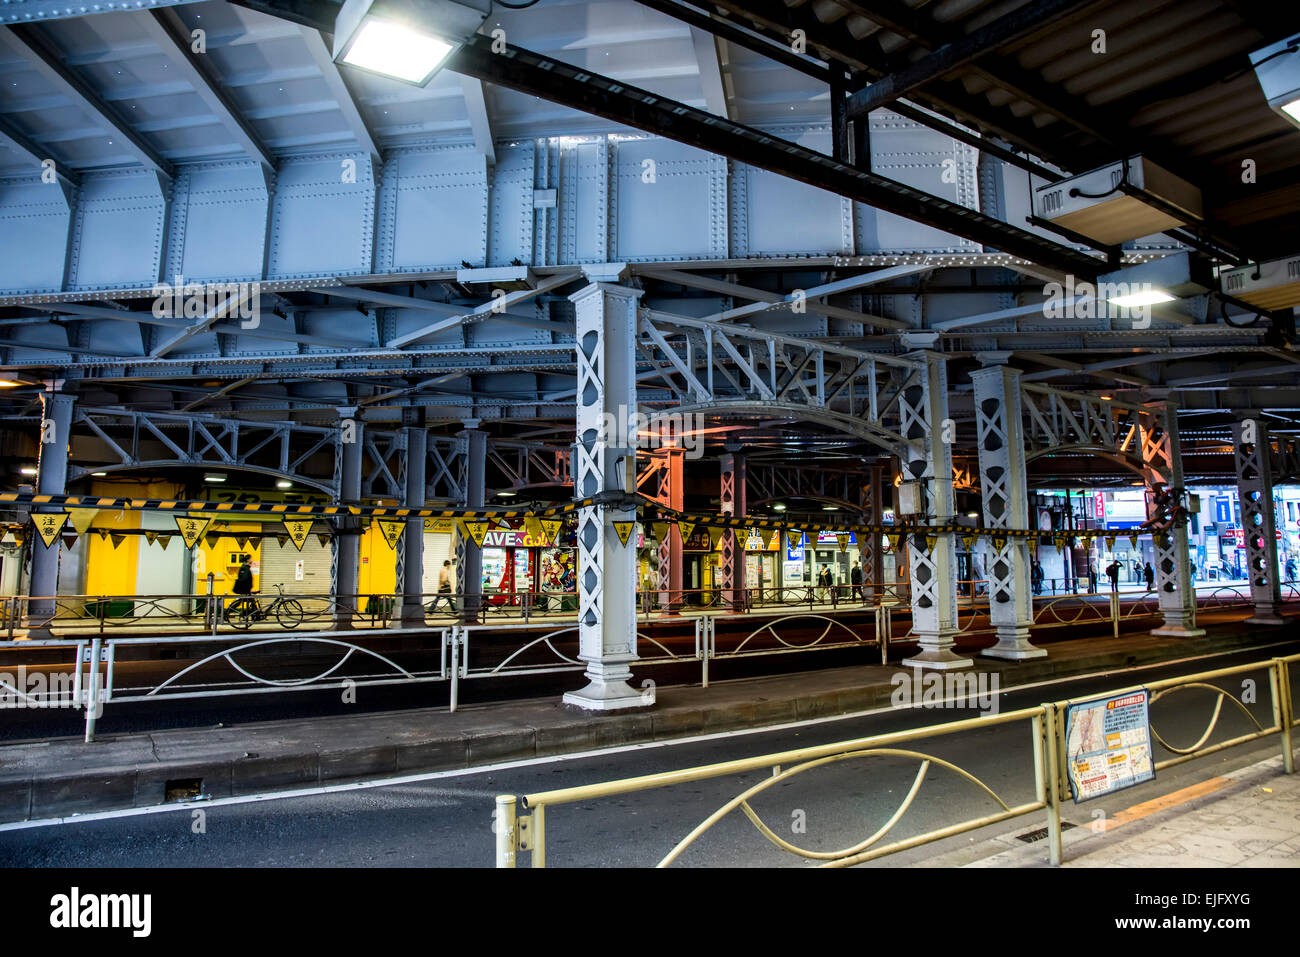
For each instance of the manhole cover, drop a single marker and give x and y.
(1030, 836)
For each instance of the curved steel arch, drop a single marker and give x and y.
(891, 443)
(1133, 463)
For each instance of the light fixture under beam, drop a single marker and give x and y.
(1277, 68)
(1125, 200)
(1146, 297)
(405, 40)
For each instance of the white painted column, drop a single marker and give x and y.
(1162, 463)
(1255, 492)
(927, 461)
(1005, 496)
(603, 462)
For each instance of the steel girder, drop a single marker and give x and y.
(141, 440)
(533, 73)
(721, 368)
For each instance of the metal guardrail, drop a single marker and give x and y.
(549, 644)
(520, 821)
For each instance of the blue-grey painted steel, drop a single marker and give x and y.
(36, 11)
(566, 200)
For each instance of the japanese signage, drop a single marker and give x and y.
(49, 525)
(1108, 744)
(192, 529)
(391, 530)
(299, 530)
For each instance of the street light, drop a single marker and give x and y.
(406, 40)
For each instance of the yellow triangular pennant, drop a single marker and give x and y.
(299, 531)
(843, 539)
(151, 537)
(49, 524)
(685, 529)
(192, 529)
(391, 530)
(551, 528)
(1110, 543)
(715, 537)
(661, 531)
(477, 531)
(82, 518)
(1133, 540)
(969, 542)
(624, 530)
(930, 542)
(165, 540)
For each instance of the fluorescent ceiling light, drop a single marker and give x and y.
(830, 508)
(405, 40)
(27, 470)
(283, 483)
(392, 49)
(778, 507)
(506, 494)
(214, 477)
(1292, 109)
(98, 474)
(1148, 298)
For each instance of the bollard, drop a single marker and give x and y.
(1279, 681)
(455, 667)
(1052, 793)
(504, 825)
(92, 691)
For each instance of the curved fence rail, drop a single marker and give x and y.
(521, 821)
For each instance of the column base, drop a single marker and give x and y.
(1177, 631)
(602, 695)
(1270, 619)
(412, 616)
(938, 658)
(1014, 648)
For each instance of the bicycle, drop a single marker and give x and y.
(243, 613)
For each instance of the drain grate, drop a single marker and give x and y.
(1030, 836)
(182, 789)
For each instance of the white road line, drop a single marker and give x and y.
(577, 756)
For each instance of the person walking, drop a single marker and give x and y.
(1150, 575)
(444, 589)
(1092, 578)
(1036, 576)
(1112, 571)
(855, 579)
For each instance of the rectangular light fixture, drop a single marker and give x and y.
(283, 483)
(405, 40)
(1123, 201)
(1277, 68)
(27, 470)
(214, 476)
(1271, 285)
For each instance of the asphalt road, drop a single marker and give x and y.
(446, 821)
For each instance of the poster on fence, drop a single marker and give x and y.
(1108, 744)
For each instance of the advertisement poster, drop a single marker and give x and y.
(1108, 744)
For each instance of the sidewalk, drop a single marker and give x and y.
(1244, 818)
(61, 777)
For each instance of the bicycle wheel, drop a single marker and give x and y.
(289, 613)
(240, 614)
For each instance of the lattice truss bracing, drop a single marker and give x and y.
(716, 367)
(158, 440)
